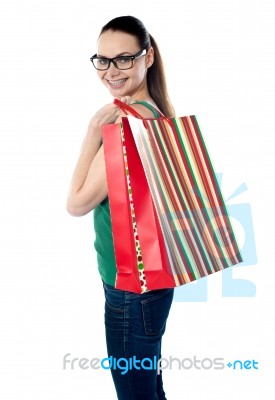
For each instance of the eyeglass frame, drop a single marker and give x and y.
(112, 60)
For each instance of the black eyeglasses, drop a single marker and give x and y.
(121, 62)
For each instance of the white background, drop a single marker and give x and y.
(219, 62)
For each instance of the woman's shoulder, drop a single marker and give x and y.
(146, 109)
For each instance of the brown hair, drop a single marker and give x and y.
(156, 80)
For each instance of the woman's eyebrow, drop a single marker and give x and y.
(120, 54)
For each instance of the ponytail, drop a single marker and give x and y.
(156, 83)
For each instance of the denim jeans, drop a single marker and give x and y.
(134, 326)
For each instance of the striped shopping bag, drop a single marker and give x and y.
(195, 224)
(168, 158)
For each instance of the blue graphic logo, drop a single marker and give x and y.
(197, 291)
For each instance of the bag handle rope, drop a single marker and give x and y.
(129, 110)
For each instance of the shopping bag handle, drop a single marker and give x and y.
(129, 110)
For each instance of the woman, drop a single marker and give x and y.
(129, 64)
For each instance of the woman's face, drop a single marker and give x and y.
(130, 82)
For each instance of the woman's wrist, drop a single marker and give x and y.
(94, 130)
(92, 139)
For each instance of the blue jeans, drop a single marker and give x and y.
(134, 326)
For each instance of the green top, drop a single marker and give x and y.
(104, 245)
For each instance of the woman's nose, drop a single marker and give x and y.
(112, 70)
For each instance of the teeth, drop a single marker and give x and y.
(117, 82)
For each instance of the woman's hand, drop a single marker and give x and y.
(126, 99)
(105, 115)
(109, 113)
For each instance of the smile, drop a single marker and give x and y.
(118, 82)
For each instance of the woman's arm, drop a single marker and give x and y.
(88, 185)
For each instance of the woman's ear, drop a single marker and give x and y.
(149, 57)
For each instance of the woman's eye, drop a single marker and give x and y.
(123, 60)
(103, 61)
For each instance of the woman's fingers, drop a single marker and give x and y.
(127, 99)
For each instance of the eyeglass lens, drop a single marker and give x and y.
(119, 62)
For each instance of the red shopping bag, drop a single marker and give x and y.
(138, 240)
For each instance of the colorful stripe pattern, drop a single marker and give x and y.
(196, 227)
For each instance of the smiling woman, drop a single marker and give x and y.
(129, 65)
(126, 81)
